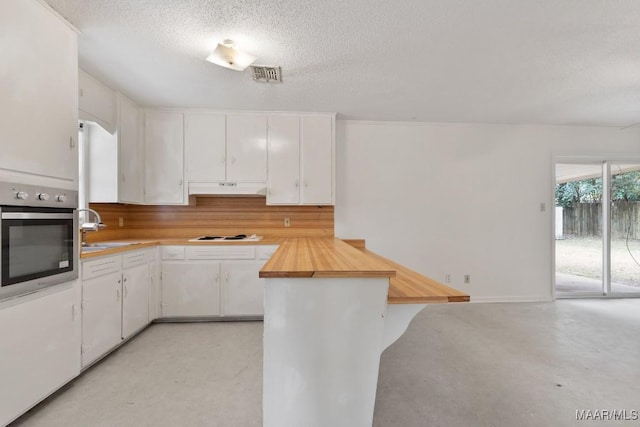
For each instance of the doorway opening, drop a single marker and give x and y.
(597, 229)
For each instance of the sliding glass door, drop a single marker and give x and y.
(625, 229)
(597, 233)
(579, 243)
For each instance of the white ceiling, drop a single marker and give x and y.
(571, 62)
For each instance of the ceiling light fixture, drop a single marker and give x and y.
(227, 55)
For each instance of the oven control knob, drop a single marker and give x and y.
(43, 196)
(22, 195)
(61, 198)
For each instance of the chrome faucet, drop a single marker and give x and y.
(90, 226)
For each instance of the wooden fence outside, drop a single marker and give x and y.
(585, 220)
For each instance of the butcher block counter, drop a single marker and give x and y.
(323, 257)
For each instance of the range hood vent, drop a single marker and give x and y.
(227, 189)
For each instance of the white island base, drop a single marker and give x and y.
(323, 338)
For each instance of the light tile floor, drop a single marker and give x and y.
(468, 365)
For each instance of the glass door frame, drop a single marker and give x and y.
(605, 162)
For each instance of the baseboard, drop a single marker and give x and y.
(512, 299)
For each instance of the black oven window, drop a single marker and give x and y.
(35, 248)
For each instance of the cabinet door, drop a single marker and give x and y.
(204, 146)
(96, 102)
(38, 91)
(247, 148)
(317, 171)
(283, 184)
(101, 316)
(154, 292)
(135, 299)
(243, 290)
(164, 167)
(102, 148)
(190, 289)
(129, 151)
(38, 351)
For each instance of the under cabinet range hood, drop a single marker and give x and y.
(227, 189)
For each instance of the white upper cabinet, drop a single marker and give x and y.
(102, 170)
(317, 160)
(246, 148)
(205, 154)
(38, 92)
(283, 186)
(130, 153)
(301, 160)
(96, 102)
(164, 160)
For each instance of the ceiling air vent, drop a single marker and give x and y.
(266, 73)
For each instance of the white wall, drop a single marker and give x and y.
(462, 198)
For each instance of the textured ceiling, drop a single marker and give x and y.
(496, 61)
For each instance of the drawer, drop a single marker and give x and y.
(172, 252)
(101, 266)
(134, 258)
(220, 252)
(266, 251)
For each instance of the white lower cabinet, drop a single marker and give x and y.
(115, 300)
(213, 280)
(38, 350)
(190, 289)
(135, 299)
(243, 290)
(101, 314)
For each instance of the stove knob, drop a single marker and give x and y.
(43, 196)
(22, 195)
(61, 198)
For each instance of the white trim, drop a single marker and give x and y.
(531, 298)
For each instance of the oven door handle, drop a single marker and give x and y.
(36, 215)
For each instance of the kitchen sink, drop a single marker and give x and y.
(109, 244)
(86, 249)
(94, 247)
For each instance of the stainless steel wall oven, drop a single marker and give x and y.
(39, 235)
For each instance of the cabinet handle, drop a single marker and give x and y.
(226, 277)
(118, 293)
(125, 290)
(180, 182)
(297, 183)
(74, 312)
(217, 279)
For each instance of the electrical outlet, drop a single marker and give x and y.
(120, 222)
(287, 222)
(447, 278)
(467, 278)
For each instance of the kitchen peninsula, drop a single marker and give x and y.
(330, 311)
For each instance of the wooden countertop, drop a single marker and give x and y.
(338, 258)
(143, 243)
(327, 257)
(322, 257)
